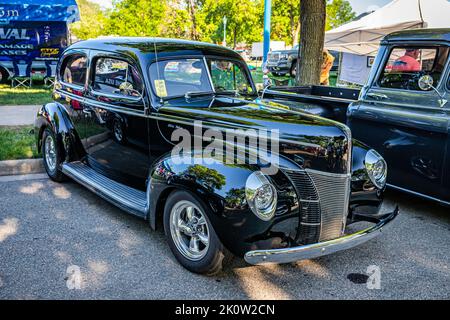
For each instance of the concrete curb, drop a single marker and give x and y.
(25, 166)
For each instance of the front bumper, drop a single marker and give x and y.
(319, 249)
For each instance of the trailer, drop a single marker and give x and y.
(33, 35)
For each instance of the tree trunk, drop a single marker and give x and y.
(312, 34)
(192, 9)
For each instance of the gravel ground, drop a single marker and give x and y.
(49, 230)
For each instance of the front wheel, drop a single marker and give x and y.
(293, 71)
(51, 156)
(191, 236)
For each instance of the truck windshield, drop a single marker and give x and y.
(175, 77)
(228, 76)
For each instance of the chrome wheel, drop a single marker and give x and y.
(50, 153)
(189, 230)
(118, 131)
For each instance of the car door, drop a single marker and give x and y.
(407, 125)
(70, 88)
(116, 125)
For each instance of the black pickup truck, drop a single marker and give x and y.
(402, 111)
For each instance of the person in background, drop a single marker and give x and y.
(408, 62)
(327, 63)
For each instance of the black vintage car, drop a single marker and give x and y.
(119, 102)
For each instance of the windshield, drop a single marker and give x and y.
(229, 76)
(177, 77)
(172, 78)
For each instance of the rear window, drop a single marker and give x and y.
(407, 64)
(113, 76)
(74, 69)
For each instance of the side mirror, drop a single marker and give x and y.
(426, 82)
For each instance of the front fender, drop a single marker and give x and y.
(54, 116)
(221, 187)
(365, 197)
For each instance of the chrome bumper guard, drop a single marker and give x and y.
(319, 249)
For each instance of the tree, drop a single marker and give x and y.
(312, 34)
(137, 17)
(92, 22)
(285, 24)
(244, 20)
(338, 13)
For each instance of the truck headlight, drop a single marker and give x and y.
(376, 168)
(283, 56)
(261, 196)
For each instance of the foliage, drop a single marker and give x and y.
(285, 24)
(92, 23)
(244, 20)
(338, 13)
(201, 19)
(17, 143)
(136, 18)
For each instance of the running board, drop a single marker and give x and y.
(129, 199)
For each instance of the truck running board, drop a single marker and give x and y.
(129, 199)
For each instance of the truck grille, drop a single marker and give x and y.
(273, 57)
(324, 202)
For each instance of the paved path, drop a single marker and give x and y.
(46, 228)
(18, 115)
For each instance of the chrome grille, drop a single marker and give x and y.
(273, 57)
(333, 190)
(324, 203)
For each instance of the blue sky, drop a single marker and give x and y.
(359, 6)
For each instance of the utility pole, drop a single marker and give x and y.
(267, 14)
(224, 31)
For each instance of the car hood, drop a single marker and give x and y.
(307, 139)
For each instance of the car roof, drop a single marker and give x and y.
(419, 35)
(144, 47)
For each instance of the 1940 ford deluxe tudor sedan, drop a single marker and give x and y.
(122, 106)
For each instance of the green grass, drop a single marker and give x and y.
(17, 143)
(37, 94)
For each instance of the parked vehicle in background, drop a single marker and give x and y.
(118, 104)
(402, 112)
(282, 62)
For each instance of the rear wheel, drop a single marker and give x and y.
(191, 236)
(51, 156)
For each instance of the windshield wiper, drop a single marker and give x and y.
(227, 92)
(191, 94)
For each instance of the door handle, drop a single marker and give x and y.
(378, 96)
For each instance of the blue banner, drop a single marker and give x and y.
(28, 41)
(38, 10)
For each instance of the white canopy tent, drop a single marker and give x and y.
(363, 36)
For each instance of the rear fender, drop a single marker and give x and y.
(55, 117)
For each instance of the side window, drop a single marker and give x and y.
(74, 69)
(407, 64)
(227, 76)
(115, 76)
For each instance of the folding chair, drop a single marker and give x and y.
(49, 79)
(22, 75)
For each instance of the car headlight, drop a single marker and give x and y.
(376, 168)
(261, 196)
